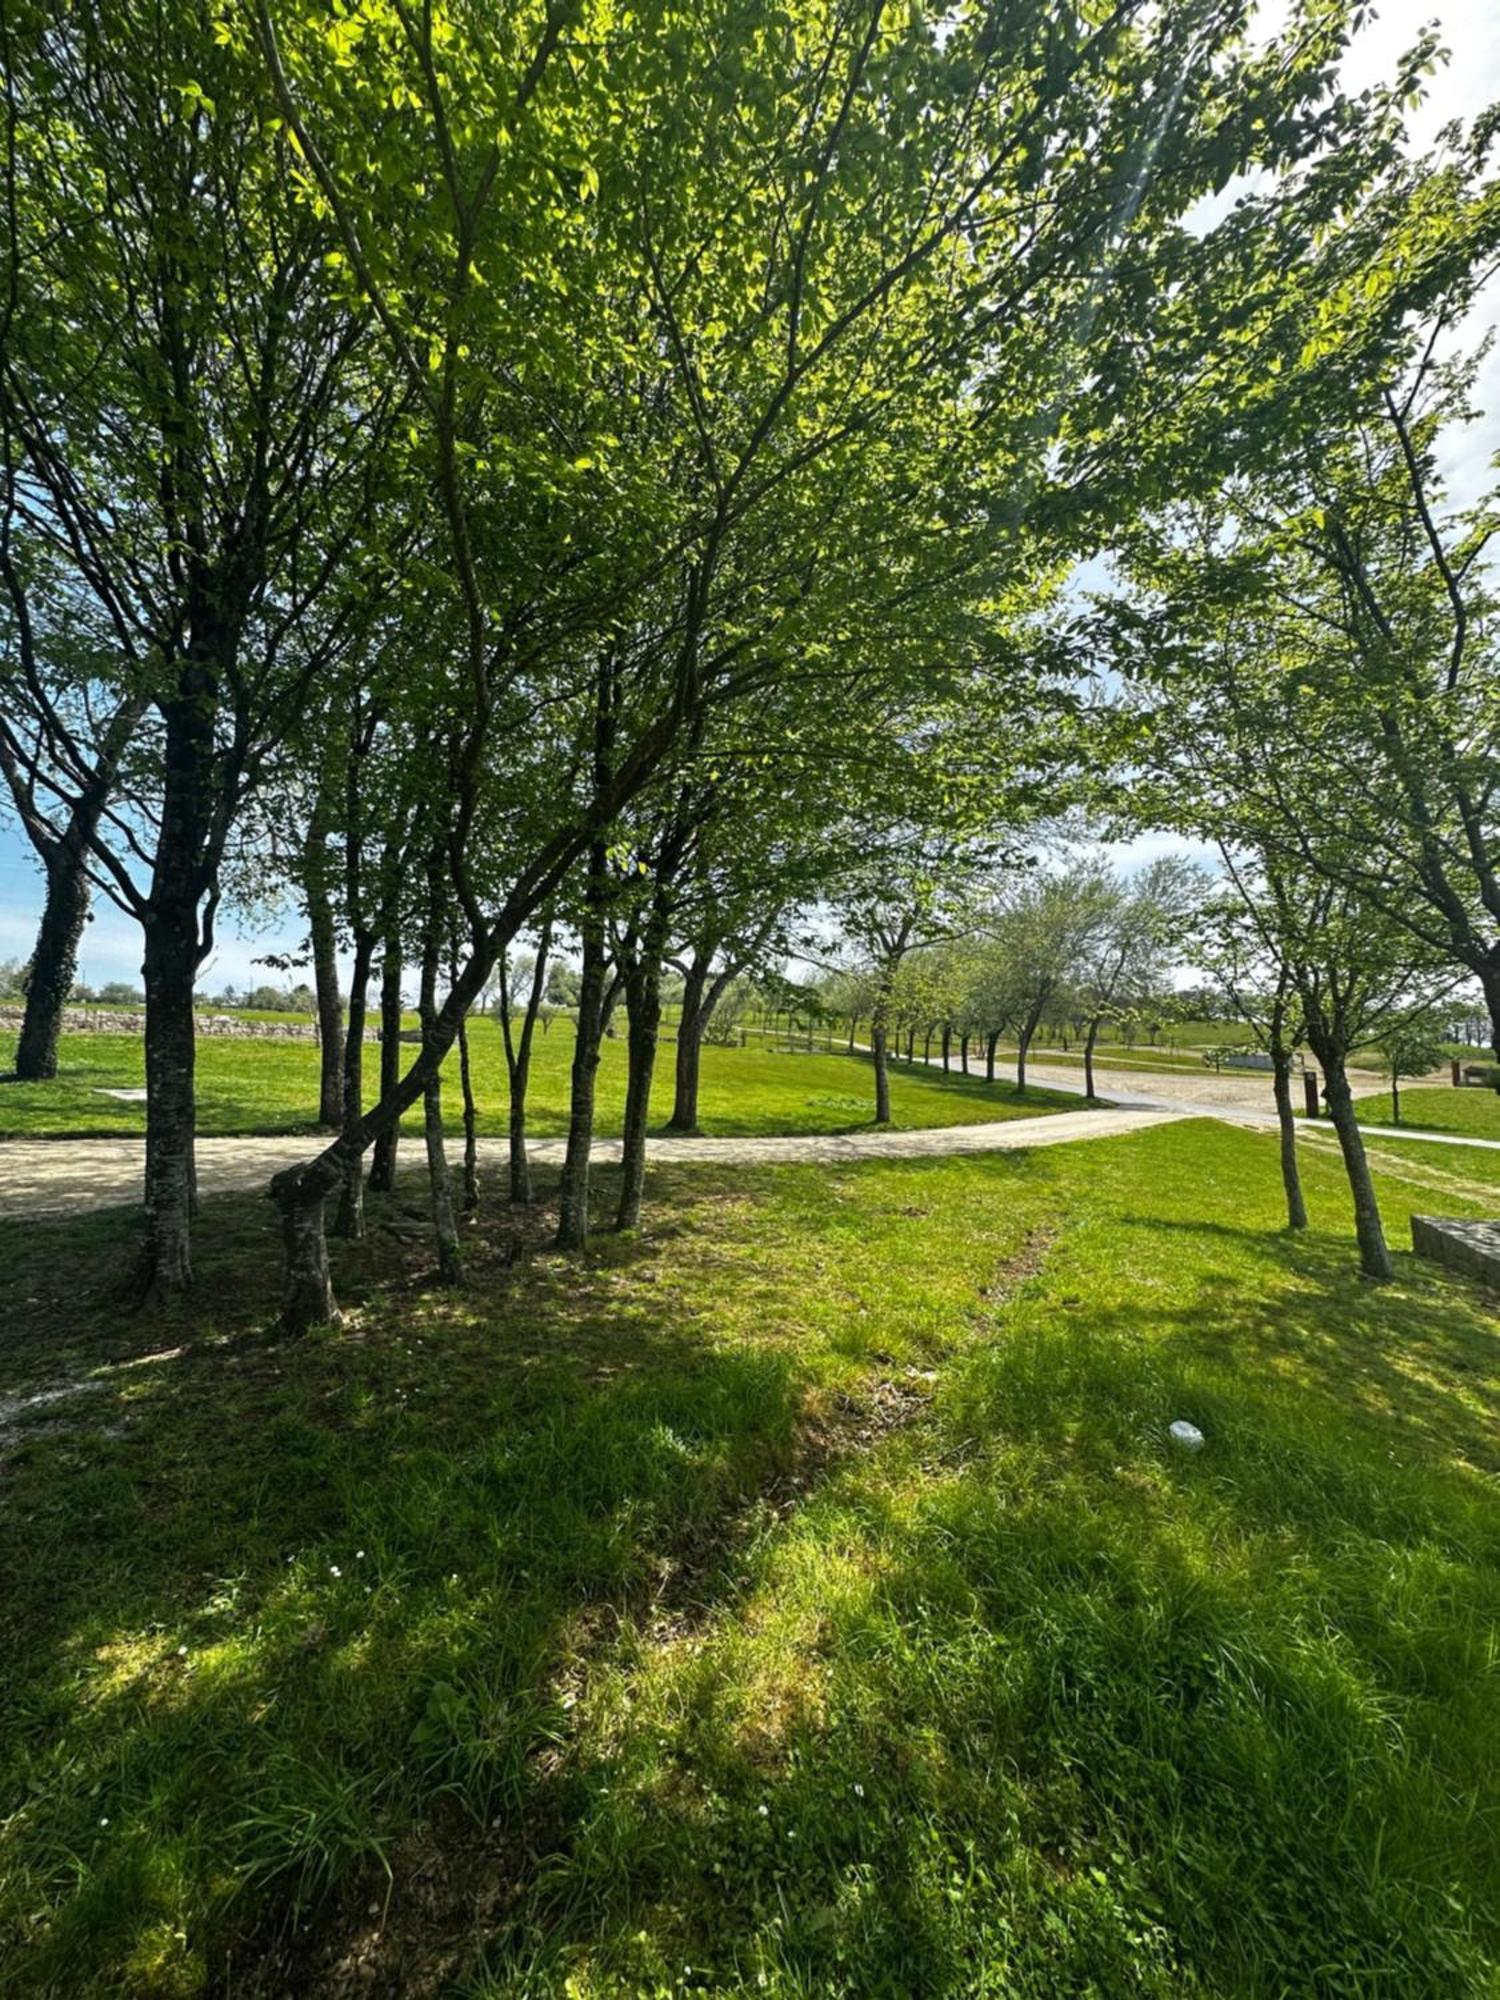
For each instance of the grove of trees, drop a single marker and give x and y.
(504, 477)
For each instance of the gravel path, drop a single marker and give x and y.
(46, 1177)
(40, 1177)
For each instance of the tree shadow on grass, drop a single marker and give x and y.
(268, 1604)
(1419, 1358)
(1039, 1691)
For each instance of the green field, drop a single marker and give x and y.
(272, 1086)
(1438, 1108)
(803, 1599)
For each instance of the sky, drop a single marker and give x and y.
(1470, 30)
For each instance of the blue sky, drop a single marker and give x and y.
(1470, 81)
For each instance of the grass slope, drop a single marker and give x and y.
(804, 1599)
(1438, 1108)
(269, 1086)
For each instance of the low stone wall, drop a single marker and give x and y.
(108, 1021)
(1463, 1245)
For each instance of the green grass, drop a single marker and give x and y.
(802, 1599)
(1438, 1108)
(272, 1086)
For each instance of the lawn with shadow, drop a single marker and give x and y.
(803, 1597)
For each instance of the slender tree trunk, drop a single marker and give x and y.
(927, 1043)
(991, 1043)
(573, 1200)
(54, 962)
(853, 1031)
(444, 1227)
(350, 1219)
(1088, 1060)
(518, 1063)
(1291, 1177)
(643, 1008)
(383, 1162)
(1023, 1044)
(325, 974)
(947, 1043)
(684, 1116)
(471, 1122)
(170, 963)
(1395, 1099)
(963, 1052)
(882, 1069)
(1374, 1256)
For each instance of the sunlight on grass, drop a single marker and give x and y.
(272, 1086)
(805, 1593)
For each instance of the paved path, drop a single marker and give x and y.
(40, 1177)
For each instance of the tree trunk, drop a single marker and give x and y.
(1291, 1178)
(882, 1071)
(1374, 1256)
(518, 1063)
(471, 1123)
(573, 1199)
(53, 962)
(963, 1052)
(643, 1008)
(170, 963)
(684, 1116)
(444, 1228)
(350, 1220)
(383, 1163)
(1088, 1060)
(991, 1043)
(1395, 1099)
(1023, 1043)
(947, 1043)
(927, 1044)
(325, 975)
(853, 1031)
(307, 1296)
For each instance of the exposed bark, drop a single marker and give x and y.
(947, 1044)
(882, 1070)
(1291, 1178)
(963, 1052)
(1023, 1044)
(690, 1026)
(307, 1295)
(444, 1227)
(573, 1198)
(518, 1063)
(991, 1043)
(350, 1220)
(321, 927)
(1374, 1255)
(1088, 1058)
(54, 961)
(643, 1008)
(165, 1262)
(383, 1161)
(471, 1122)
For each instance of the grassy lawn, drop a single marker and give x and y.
(270, 1086)
(802, 1599)
(1438, 1108)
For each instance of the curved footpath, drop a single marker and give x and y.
(50, 1177)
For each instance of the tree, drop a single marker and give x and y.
(929, 355)
(1413, 1047)
(182, 444)
(1121, 954)
(904, 899)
